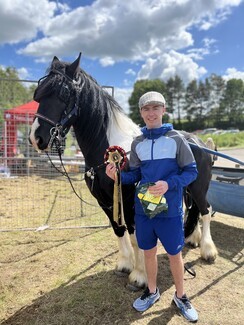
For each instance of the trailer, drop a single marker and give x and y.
(226, 191)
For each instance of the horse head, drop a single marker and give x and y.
(57, 94)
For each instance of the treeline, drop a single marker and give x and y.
(197, 105)
(13, 91)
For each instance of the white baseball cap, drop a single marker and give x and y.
(151, 97)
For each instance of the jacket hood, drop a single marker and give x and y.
(156, 133)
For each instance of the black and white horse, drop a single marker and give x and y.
(67, 97)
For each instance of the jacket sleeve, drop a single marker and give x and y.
(131, 177)
(187, 175)
(187, 164)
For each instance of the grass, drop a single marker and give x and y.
(67, 277)
(227, 140)
(31, 202)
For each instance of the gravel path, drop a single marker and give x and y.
(235, 153)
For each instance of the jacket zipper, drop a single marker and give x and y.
(152, 148)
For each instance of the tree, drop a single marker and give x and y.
(232, 103)
(217, 88)
(12, 91)
(196, 97)
(175, 93)
(191, 99)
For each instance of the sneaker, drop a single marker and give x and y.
(146, 300)
(186, 308)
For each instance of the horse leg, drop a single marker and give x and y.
(195, 238)
(193, 231)
(208, 249)
(125, 263)
(194, 234)
(137, 277)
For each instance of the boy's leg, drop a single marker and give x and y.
(151, 294)
(177, 270)
(151, 265)
(180, 299)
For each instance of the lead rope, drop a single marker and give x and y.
(118, 211)
(117, 156)
(116, 198)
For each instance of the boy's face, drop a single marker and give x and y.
(152, 115)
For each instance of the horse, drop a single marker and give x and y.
(68, 96)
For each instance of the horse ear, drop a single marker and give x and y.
(55, 59)
(72, 69)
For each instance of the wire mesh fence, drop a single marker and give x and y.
(33, 193)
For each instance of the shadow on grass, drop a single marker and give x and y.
(228, 240)
(102, 298)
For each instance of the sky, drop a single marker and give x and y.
(124, 41)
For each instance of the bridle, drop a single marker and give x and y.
(68, 88)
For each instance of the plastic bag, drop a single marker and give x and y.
(152, 205)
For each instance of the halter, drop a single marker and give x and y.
(60, 129)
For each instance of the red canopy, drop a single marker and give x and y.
(22, 114)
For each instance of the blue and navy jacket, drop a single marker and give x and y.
(161, 154)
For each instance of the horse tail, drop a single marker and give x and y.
(211, 145)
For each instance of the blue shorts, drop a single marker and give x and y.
(170, 232)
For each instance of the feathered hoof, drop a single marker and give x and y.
(210, 259)
(122, 273)
(209, 254)
(137, 280)
(192, 245)
(134, 287)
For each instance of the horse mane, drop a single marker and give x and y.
(120, 129)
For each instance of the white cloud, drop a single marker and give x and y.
(170, 64)
(23, 73)
(107, 61)
(21, 20)
(151, 32)
(130, 72)
(233, 73)
(207, 49)
(122, 95)
(111, 31)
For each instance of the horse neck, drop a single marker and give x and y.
(94, 151)
(101, 124)
(90, 127)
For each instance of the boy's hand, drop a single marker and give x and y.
(159, 188)
(111, 170)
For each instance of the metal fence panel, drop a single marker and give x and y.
(33, 194)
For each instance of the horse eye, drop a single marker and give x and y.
(64, 93)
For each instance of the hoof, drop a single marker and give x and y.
(209, 253)
(122, 273)
(133, 287)
(192, 245)
(210, 259)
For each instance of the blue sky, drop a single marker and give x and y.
(123, 41)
